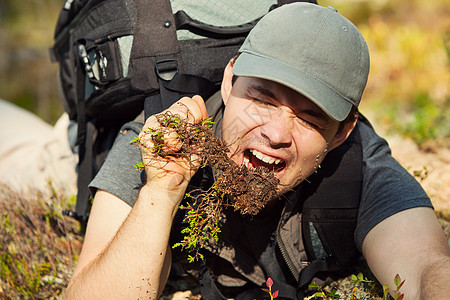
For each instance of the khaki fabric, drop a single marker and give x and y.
(32, 152)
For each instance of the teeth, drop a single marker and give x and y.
(265, 158)
(246, 161)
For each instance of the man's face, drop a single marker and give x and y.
(268, 124)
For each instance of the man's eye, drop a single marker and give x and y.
(261, 102)
(307, 123)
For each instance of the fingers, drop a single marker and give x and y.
(192, 110)
(201, 105)
(171, 142)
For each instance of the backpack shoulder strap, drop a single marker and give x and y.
(330, 211)
(333, 197)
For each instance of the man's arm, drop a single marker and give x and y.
(131, 263)
(412, 244)
(126, 253)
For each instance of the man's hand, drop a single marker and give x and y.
(171, 172)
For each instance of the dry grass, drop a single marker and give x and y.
(38, 246)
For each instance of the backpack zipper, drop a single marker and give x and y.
(282, 248)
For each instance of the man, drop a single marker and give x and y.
(297, 81)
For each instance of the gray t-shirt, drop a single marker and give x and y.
(387, 187)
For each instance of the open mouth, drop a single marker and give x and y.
(254, 158)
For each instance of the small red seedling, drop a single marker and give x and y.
(269, 284)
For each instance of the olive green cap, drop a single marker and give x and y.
(311, 49)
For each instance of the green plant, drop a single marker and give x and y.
(203, 217)
(358, 279)
(322, 293)
(421, 174)
(428, 120)
(422, 119)
(359, 282)
(398, 284)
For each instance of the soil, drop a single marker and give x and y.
(431, 165)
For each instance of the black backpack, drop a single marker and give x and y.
(118, 56)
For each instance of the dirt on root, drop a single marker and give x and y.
(247, 190)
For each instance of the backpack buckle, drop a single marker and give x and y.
(166, 69)
(83, 55)
(99, 62)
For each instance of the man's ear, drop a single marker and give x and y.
(227, 81)
(343, 134)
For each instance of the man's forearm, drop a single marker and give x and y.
(132, 265)
(435, 283)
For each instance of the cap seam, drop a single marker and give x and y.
(325, 19)
(318, 32)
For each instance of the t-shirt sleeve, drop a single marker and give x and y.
(387, 187)
(117, 174)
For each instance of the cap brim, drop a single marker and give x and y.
(253, 65)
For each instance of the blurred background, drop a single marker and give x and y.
(409, 40)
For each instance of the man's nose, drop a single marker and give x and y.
(277, 130)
